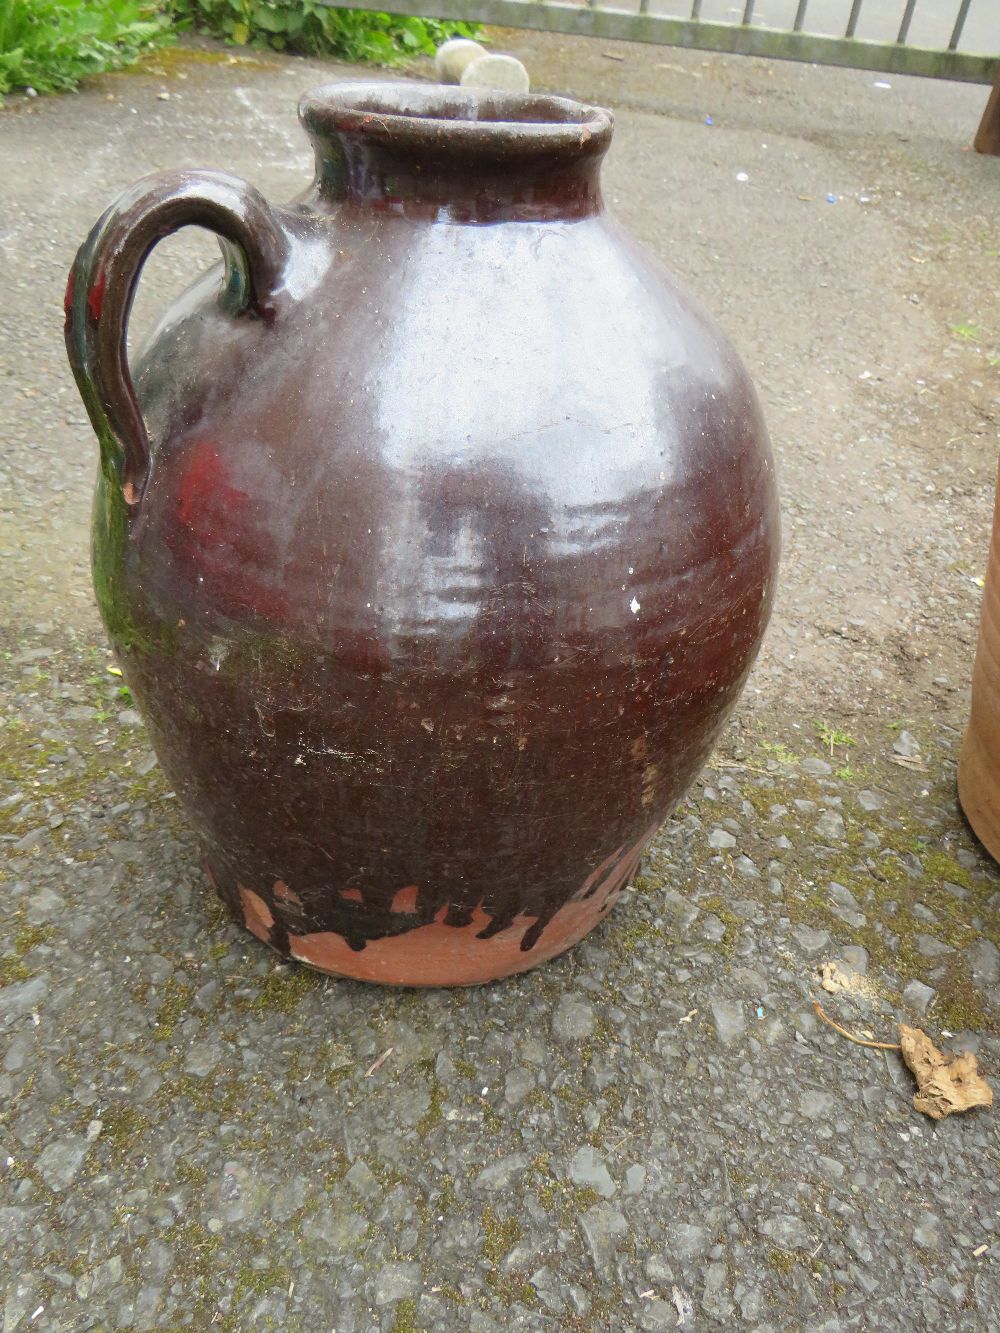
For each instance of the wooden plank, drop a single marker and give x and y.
(987, 138)
(698, 35)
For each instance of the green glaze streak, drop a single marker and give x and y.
(108, 545)
(729, 38)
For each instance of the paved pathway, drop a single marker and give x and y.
(655, 1131)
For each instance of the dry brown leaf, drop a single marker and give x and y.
(945, 1084)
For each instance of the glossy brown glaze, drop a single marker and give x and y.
(458, 540)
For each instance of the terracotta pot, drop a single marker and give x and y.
(979, 765)
(435, 542)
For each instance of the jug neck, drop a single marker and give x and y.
(456, 154)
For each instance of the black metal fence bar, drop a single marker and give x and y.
(904, 27)
(734, 38)
(800, 16)
(852, 21)
(963, 13)
(748, 12)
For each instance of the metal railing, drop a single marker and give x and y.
(746, 34)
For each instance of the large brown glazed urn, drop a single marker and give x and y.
(435, 538)
(979, 765)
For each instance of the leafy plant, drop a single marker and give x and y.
(776, 750)
(50, 45)
(832, 736)
(310, 28)
(966, 330)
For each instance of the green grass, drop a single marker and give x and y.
(965, 330)
(832, 737)
(50, 45)
(779, 752)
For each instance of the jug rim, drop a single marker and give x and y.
(447, 119)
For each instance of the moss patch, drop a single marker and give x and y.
(405, 1317)
(501, 1235)
(434, 1113)
(252, 1281)
(13, 966)
(124, 1129)
(781, 1261)
(894, 862)
(718, 906)
(174, 1006)
(284, 989)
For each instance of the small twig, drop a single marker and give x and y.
(379, 1062)
(858, 1041)
(915, 764)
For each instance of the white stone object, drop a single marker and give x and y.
(492, 71)
(452, 56)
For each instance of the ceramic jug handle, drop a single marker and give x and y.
(106, 272)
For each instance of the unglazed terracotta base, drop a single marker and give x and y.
(439, 954)
(979, 766)
(979, 790)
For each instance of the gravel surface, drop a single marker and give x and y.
(655, 1131)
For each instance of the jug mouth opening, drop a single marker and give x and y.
(450, 120)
